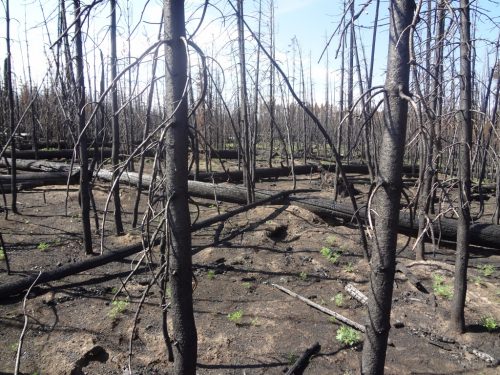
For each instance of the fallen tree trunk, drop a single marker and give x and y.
(223, 154)
(481, 234)
(30, 180)
(484, 235)
(55, 154)
(260, 173)
(38, 165)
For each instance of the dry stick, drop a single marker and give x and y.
(342, 318)
(20, 344)
(356, 294)
(300, 363)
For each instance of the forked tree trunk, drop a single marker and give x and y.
(176, 187)
(386, 201)
(465, 122)
(84, 160)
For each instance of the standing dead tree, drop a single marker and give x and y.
(10, 95)
(465, 121)
(387, 193)
(115, 125)
(84, 162)
(176, 188)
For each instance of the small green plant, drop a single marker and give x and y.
(119, 307)
(477, 280)
(291, 358)
(2, 254)
(332, 319)
(303, 276)
(349, 268)
(114, 290)
(235, 316)
(210, 274)
(348, 336)
(331, 240)
(255, 322)
(440, 288)
(247, 285)
(42, 246)
(332, 256)
(487, 270)
(489, 323)
(13, 347)
(338, 299)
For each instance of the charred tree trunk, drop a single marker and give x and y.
(465, 123)
(115, 152)
(387, 194)
(176, 187)
(244, 121)
(84, 162)
(10, 94)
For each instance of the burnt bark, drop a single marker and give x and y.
(115, 153)
(387, 194)
(457, 321)
(176, 187)
(84, 163)
(10, 94)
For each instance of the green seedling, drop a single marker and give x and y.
(235, 316)
(332, 320)
(291, 358)
(247, 285)
(331, 240)
(440, 288)
(2, 254)
(338, 299)
(349, 268)
(332, 256)
(303, 276)
(255, 322)
(210, 274)
(348, 336)
(13, 347)
(487, 270)
(489, 323)
(119, 307)
(477, 280)
(42, 246)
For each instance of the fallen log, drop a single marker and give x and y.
(223, 154)
(30, 180)
(55, 154)
(481, 234)
(484, 235)
(38, 165)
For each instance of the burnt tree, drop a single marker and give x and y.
(387, 193)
